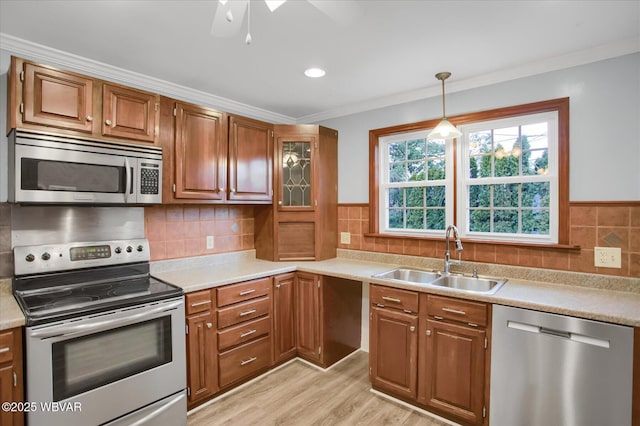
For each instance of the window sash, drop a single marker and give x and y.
(385, 185)
(465, 182)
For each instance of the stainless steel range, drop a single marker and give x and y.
(104, 340)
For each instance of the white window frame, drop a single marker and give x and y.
(463, 180)
(384, 185)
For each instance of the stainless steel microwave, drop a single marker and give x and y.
(55, 169)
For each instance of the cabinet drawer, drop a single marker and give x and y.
(200, 301)
(244, 291)
(396, 298)
(457, 310)
(6, 346)
(244, 360)
(244, 332)
(243, 311)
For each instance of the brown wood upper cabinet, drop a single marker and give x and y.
(43, 97)
(302, 222)
(199, 154)
(55, 98)
(250, 160)
(129, 113)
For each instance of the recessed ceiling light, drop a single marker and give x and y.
(314, 72)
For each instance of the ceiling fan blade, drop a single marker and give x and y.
(343, 12)
(221, 26)
(274, 4)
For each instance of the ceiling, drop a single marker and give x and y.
(388, 52)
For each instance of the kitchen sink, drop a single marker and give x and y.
(411, 275)
(473, 284)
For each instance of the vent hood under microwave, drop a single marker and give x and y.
(47, 168)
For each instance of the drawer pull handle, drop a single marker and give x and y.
(248, 361)
(391, 299)
(249, 312)
(248, 333)
(204, 302)
(244, 293)
(3, 350)
(454, 311)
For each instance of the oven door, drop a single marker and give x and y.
(99, 368)
(45, 174)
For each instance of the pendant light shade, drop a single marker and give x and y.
(444, 129)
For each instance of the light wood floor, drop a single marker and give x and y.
(299, 394)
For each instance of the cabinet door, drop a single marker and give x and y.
(128, 113)
(452, 378)
(393, 355)
(284, 317)
(56, 98)
(296, 190)
(250, 160)
(202, 369)
(308, 316)
(6, 394)
(200, 153)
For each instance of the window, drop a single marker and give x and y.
(416, 184)
(508, 185)
(505, 179)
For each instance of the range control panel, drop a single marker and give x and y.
(67, 256)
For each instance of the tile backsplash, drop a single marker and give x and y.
(181, 231)
(6, 256)
(596, 224)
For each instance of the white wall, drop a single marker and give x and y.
(604, 97)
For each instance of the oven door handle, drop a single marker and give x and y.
(93, 327)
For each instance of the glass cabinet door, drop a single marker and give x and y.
(296, 188)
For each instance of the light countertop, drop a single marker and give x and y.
(193, 274)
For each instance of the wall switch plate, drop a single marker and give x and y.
(345, 238)
(209, 242)
(607, 257)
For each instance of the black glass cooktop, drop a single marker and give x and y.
(63, 301)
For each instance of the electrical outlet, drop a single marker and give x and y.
(607, 257)
(345, 238)
(209, 242)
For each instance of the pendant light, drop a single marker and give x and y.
(444, 129)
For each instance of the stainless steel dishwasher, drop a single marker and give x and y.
(554, 370)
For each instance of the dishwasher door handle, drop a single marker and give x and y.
(576, 337)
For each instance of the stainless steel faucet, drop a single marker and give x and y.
(447, 253)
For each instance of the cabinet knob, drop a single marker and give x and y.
(89, 118)
(107, 122)
(279, 203)
(220, 189)
(209, 325)
(277, 285)
(428, 332)
(412, 328)
(233, 190)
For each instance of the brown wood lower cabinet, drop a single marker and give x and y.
(11, 375)
(284, 317)
(393, 353)
(431, 351)
(202, 356)
(236, 332)
(453, 367)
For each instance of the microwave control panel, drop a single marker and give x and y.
(149, 178)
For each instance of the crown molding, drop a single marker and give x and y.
(47, 55)
(599, 53)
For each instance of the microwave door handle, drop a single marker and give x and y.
(127, 184)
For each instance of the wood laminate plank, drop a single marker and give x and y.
(298, 394)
